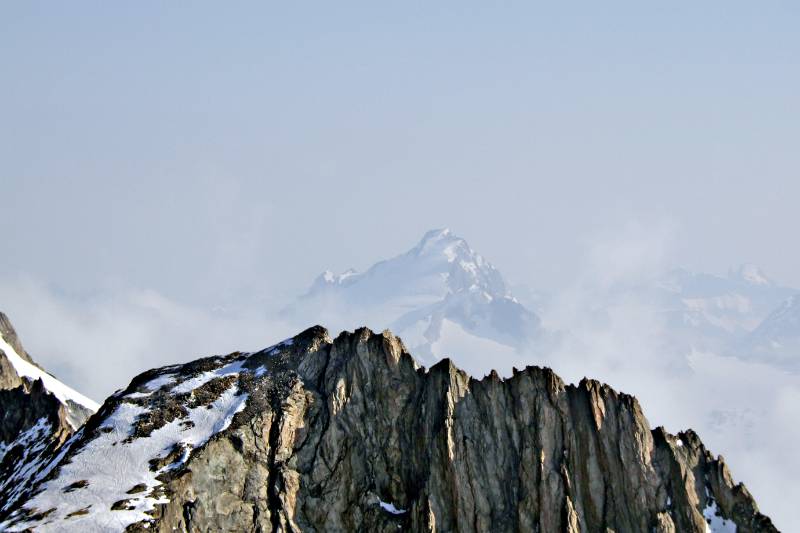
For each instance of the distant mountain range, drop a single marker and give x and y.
(719, 308)
(444, 298)
(777, 339)
(743, 314)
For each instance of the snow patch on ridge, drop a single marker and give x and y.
(192, 383)
(715, 523)
(59, 390)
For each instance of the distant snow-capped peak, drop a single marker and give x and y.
(439, 242)
(440, 263)
(439, 290)
(465, 268)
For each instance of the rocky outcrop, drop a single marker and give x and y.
(352, 434)
(8, 333)
(9, 378)
(25, 406)
(18, 369)
(34, 424)
(34, 421)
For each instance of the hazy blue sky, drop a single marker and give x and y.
(208, 149)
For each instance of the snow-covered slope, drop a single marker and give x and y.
(697, 310)
(152, 428)
(34, 424)
(38, 413)
(440, 280)
(719, 306)
(777, 339)
(744, 314)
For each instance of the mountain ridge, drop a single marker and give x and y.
(351, 433)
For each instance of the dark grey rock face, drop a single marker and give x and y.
(352, 435)
(24, 406)
(33, 426)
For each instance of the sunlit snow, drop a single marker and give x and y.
(111, 467)
(715, 523)
(59, 390)
(387, 506)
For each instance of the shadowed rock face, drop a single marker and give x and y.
(352, 435)
(8, 375)
(33, 426)
(24, 406)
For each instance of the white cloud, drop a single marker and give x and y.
(630, 254)
(98, 344)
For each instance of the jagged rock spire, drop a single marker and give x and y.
(351, 434)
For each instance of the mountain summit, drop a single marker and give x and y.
(440, 264)
(440, 295)
(351, 434)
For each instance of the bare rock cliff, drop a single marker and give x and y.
(352, 434)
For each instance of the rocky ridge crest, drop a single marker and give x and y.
(352, 434)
